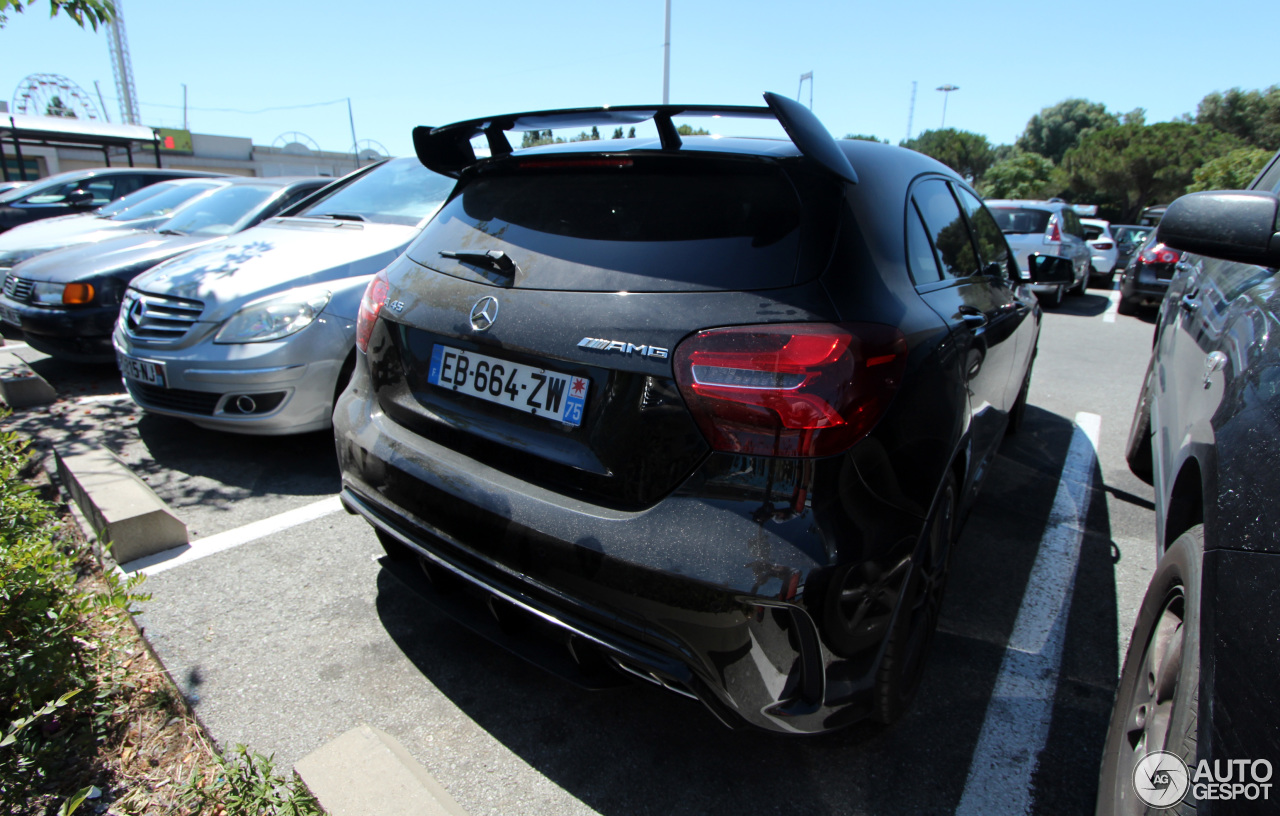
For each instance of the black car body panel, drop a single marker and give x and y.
(716, 573)
(1212, 393)
(115, 182)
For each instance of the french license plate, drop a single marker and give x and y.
(10, 315)
(536, 391)
(141, 370)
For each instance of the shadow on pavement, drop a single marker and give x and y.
(1087, 305)
(637, 749)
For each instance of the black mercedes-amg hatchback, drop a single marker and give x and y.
(706, 411)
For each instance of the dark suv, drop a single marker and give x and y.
(1200, 677)
(705, 411)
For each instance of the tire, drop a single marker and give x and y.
(1083, 286)
(1137, 451)
(1157, 702)
(907, 649)
(1110, 281)
(1126, 307)
(1054, 299)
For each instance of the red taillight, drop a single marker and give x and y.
(1053, 235)
(375, 294)
(1159, 253)
(1104, 245)
(790, 389)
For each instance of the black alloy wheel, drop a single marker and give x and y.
(1156, 706)
(904, 661)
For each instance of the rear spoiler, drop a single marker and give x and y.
(448, 149)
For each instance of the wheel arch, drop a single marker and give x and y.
(1186, 502)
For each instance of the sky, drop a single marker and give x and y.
(431, 63)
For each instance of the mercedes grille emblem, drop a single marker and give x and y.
(484, 313)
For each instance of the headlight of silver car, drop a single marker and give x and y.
(274, 317)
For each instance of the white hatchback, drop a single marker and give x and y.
(1102, 249)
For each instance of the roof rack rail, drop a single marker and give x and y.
(448, 149)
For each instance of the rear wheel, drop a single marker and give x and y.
(1053, 298)
(1157, 703)
(1137, 451)
(905, 655)
(1126, 307)
(1083, 286)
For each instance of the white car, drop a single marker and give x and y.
(256, 333)
(1103, 250)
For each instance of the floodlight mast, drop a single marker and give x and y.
(122, 67)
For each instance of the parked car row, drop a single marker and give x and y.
(78, 191)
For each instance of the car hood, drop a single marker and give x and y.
(140, 250)
(279, 255)
(66, 230)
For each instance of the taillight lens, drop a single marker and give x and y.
(1053, 235)
(809, 389)
(1104, 245)
(1159, 253)
(375, 294)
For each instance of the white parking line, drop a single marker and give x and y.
(200, 548)
(1021, 706)
(14, 344)
(1109, 316)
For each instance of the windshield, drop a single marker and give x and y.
(164, 203)
(42, 186)
(221, 212)
(1020, 220)
(398, 192)
(134, 198)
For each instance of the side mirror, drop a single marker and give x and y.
(78, 198)
(1233, 225)
(1050, 269)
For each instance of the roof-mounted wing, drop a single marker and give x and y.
(448, 149)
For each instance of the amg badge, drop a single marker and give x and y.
(621, 347)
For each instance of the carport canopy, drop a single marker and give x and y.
(57, 131)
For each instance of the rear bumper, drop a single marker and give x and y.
(693, 593)
(1143, 285)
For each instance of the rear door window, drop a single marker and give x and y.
(947, 228)
(639, 225)
(920, 255)
(993, 249)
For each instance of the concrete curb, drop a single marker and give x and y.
(20, 387)
(365, 772)
(123, 511)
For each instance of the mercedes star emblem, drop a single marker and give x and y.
(484, 313)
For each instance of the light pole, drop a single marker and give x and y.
(946, 91)
(666, 59)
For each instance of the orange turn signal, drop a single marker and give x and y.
(77, 294)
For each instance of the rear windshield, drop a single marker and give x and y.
(1018, 220)
(1131, 234)
(642, 226)
(401, 191)
(1092, 233)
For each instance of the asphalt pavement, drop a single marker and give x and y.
(285, 637)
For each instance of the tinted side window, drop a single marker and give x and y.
(946, 228)
(1071, 223)
(924, 264)
(1269, 179)
(992, 247)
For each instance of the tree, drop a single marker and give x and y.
(1233, 171)
(969, 154)
(533, 138)
(56, 107)
(1019, 175)
(617, 133)
(1134, 166)
(1058, 128)
(631, 134)
(80, 11)
(862, 137)
(687, 130)
(1251, 116)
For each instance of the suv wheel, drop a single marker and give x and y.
(1083, 286)
(1157, 703)
(905, 655)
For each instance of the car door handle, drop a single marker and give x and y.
(972, 318)
(1189, 304)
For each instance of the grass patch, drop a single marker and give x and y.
(89, 720)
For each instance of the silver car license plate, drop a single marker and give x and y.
(141, 370)
(536, 391)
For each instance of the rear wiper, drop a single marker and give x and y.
(171, 232)
(494, 259)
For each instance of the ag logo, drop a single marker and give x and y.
(1161, 779)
